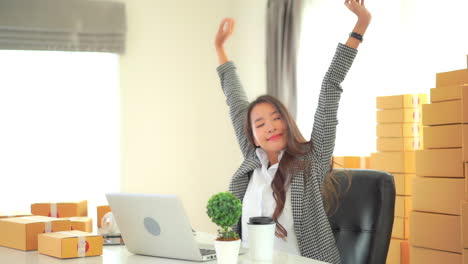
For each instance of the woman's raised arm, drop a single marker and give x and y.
(232, 87)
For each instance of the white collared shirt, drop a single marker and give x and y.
(259, 201)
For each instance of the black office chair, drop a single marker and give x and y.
(363, 222)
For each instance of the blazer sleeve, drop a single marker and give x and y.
(237, 102)
(325, 120)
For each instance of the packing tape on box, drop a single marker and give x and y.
(415, 130)
(109, 225)
(81, 243)
(416, 116)
(53, 210)
(47, 224)
(81, 246)
(416, 100)
(416, 144)
(362, 162)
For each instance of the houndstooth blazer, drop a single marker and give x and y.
(314, 234)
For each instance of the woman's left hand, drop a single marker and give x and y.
(358, 8)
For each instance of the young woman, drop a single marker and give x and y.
(283, 175)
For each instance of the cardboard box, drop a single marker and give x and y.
(429, 256)
(465, 256)
(405, 252)
(401, 101)
(464, 223)
(394, 162)
(399, 144)
(403, 205)
(403, 183)
(398, 252)
(439, 163)
(438, 195)
(465, 165)
(65, 209)
(435, 231)
(447, 93)
(351, 162)
(101, 211)
(400, 130)
(401, 228)
(403, 115)
(13, 214)
(451, 78)
(394, 251)
(84, 224)
(71, 244)
(21, 232)
(465, 142)
(442, 113)
(367, 163)
(446, 136)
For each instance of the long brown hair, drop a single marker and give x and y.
(296, 146)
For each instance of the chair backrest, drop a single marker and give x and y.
(363, 222)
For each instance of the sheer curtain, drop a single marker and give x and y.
(407, 43)
(59, 111)
(70, 25)
(60, 128)
(284, 19)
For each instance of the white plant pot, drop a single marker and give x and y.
(227, 252)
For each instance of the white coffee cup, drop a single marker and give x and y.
(261, 232)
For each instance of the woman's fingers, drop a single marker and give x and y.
(226, 26)
(225, 30)
(346, 2)
(231, 24)
(356, 6)
(354, 2)
(221, 26)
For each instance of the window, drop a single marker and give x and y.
(60, 127)
(407, 43)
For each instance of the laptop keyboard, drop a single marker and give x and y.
(205, 251)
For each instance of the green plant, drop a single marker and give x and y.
(225, 209)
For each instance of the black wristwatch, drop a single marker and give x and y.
(356, 36)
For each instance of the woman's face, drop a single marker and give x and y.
(268, 127)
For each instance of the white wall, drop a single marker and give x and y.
(176, 135)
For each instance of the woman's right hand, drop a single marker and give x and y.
(226, 28)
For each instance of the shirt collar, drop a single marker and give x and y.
(263, 157)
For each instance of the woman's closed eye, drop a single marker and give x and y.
(259, 125)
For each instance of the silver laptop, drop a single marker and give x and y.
(156, 225)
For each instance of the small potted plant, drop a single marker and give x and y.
(225, 209)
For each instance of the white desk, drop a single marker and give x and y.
(120, 255)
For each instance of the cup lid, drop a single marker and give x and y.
(261, 220)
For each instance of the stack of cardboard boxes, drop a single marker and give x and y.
(464, 226)
(440, 183)
(50, 235)
(76, 212)
(351, 162)
(399, 135)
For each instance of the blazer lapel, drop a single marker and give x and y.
(240, 180)
(247, 166)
